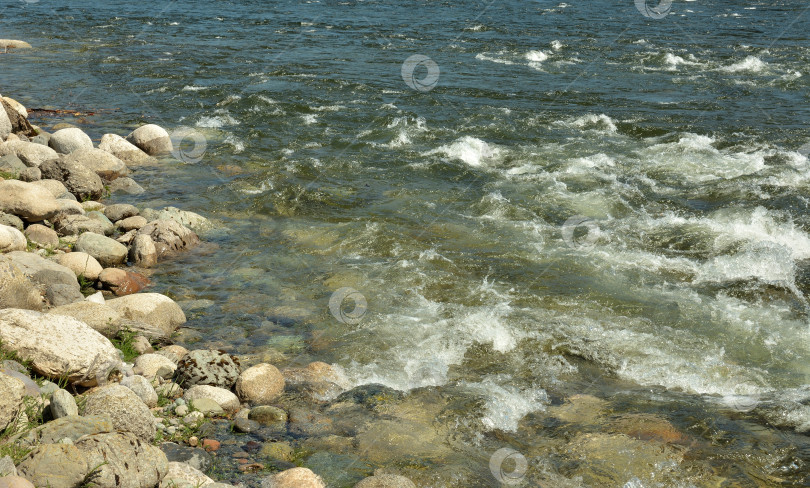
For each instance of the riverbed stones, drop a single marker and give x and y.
(142, 388)
(80, 180)
(208, 367)
(63, 404)
(11, 239)
(193, 221)
(31, 154)
(182, 475)
(12, 393)
(260, 384)
(28, 201)
(57, 346)
(102, 163)
(30, 174)
(16, 290)
(169, 236)
(142, 251)
(44, 236)
(224, 398)
(385, 481)
(120, 211)
(65, 141)
(41, 270)
(81, 263)
(154, 365)
(122, 149)
(294, 478)
(107, 251)
(151, 139)
(193, 456)
(55, 466)
(11, 221)
(124, 408)
(56, 187)
(122, 282)
(153, 308)
(122, 460)
(57, 295)
(98, 316)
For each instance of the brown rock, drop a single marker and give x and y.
(122, 282)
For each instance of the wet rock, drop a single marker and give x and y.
(28, 201)
(193, 456)
(386, 481)
(224, 398)
(306, 422)
(57, 346)
(65, 141)
(99, 316)
(81, 263)
(141, 387)
(281, 451)
(370, 396)
(63, 404)
(193, 221)
(260, 384)
(211, 444)
(123, 460)
(151, 139)
(580, 409)
(124, 408)
(123, 149)
(268, 415)
(122, 282)
(125, 185)
(294, 478)
(181, 475)
(208, 367)
(39, 234)
(245, 425)
(647, 427)
(120, 211)
(386, 440)
(102, 163)
(79, 180)
(107, 251)
(70, 224)
(142, 251)
(318, 380)
(12, 393)
(152, 308)
(154, 365)
(11, 239)
(131, 223)
(169, 236)
(55, 466)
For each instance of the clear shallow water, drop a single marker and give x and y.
(587, 202)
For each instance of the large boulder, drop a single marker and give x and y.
(56, 187)
(193, 221)
(44, 236)
(78, 179)
(27, 201)
(11, 239)
(141, 387)
(12, 393)
(123, 149)
(65, 141)
(5, 125)
(260, 384)
(169, 236)
(152, 139)
(43, 271)
(120, 211)
(123, 460)
(19, 124)
(55, 466)
(104, 164)
(17, 106)
(124, 408)
(58, 346)
(16, 290)
(224, 398)
(71, 427)
(99, 316)
(122, 282)
(32, 154)
(71, 224)
(107, 251)
(207, 367)
(10, 163)
(294, 478)
(81, 263)
(152, 308)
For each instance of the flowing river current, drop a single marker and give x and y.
(579, 231)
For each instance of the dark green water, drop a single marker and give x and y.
(578, 199)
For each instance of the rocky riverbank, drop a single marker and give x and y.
(92, 390)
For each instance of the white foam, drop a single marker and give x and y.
(750, 64)
(506, 404)
(493, 58)
(536, 56)
(469, 150)
(600, 122)
(309, 119)
(216, 121)
(194, 88)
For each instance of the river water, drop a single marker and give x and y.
(563, 219)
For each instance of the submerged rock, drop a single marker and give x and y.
(260, 384)
(208, 367)
(294, 478)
